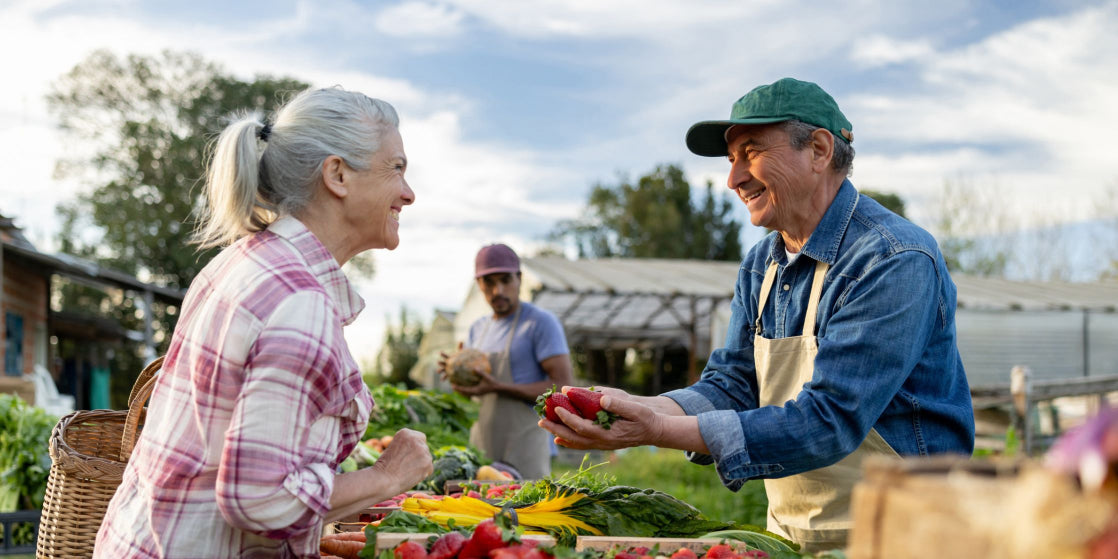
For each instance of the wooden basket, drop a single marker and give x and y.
(88, 451)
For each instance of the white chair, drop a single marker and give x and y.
(47, 395)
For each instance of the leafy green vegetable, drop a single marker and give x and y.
(445, 417)
(451, 462)
(397, 522)
(756, 538)
(24, 459)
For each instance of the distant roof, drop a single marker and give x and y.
(12, 234)
(83, 270)
(982, 293)
(627, 302)
(619, 301)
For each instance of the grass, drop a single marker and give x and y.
(670, 471)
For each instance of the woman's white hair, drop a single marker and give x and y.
(260, 171)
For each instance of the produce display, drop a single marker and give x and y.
(445, 417)
(583, 402)
(463, 366)
(502, 537)
(24, 460)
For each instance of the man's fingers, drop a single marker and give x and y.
(622, 406)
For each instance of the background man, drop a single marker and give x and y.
(841, 341)
(528, 355)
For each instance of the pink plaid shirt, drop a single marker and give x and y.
(258, 401)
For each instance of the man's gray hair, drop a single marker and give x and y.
(799, 135)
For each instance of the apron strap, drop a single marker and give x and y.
(763, 298)
(813, 300)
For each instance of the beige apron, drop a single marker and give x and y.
(506, 429)
(812, 508)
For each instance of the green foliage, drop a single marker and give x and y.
(445, 417)
(147, 120)
(891, 201)
(972, 230)
(654, 218)
(670, 472)
(24, 460)
(400, 351)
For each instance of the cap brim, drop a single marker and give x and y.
(495, 270)
(708, 138)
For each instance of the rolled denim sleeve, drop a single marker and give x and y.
(728, 387)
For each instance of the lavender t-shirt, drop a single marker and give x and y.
(538, 336)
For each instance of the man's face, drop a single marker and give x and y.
(772, 178)
(502, 292)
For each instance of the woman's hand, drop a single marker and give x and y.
(637, 425)
(407, 459)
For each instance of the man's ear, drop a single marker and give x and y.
(822, 150)
(335, 176)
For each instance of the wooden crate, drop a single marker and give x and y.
(958, 507)
(389, 540)
(667, 545)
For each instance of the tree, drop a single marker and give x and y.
(654, 218)
(140, 126)
(975, 234)
(400, 351)
(891, 201)
(148, 120)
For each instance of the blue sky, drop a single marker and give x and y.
(512, 110)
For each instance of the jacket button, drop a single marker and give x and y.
(787, 287)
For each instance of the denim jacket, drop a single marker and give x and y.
(887, 357)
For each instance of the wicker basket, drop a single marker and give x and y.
(88, 451)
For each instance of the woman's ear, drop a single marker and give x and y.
(335, 175)
(822, 150)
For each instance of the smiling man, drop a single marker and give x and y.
(528, 354)
(841, 343)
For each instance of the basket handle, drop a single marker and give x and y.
(141, 391)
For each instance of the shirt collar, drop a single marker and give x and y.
(323, 265)
(823, 245)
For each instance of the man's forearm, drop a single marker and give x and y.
(526, 392)
(662, 404)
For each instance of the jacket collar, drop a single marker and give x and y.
(823, 245)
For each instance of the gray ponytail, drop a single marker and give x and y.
(249, 185)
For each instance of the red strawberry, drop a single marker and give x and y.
(487, 537)
(625, 555)
(720, 551)
(684, 553)
(447, 546)
(589, 404)
(410, 550)
(548, 401)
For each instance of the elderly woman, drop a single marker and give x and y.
(259, 398)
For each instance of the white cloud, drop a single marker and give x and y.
(1025, 107)
(879, 50)
(1039, 92)
(420, 19)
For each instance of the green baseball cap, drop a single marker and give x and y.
(784, 99)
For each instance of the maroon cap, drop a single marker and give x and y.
(495, 259)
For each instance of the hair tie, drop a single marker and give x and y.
(265, 132)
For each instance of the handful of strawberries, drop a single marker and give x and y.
(583, 402)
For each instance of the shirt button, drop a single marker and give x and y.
(787, 287)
